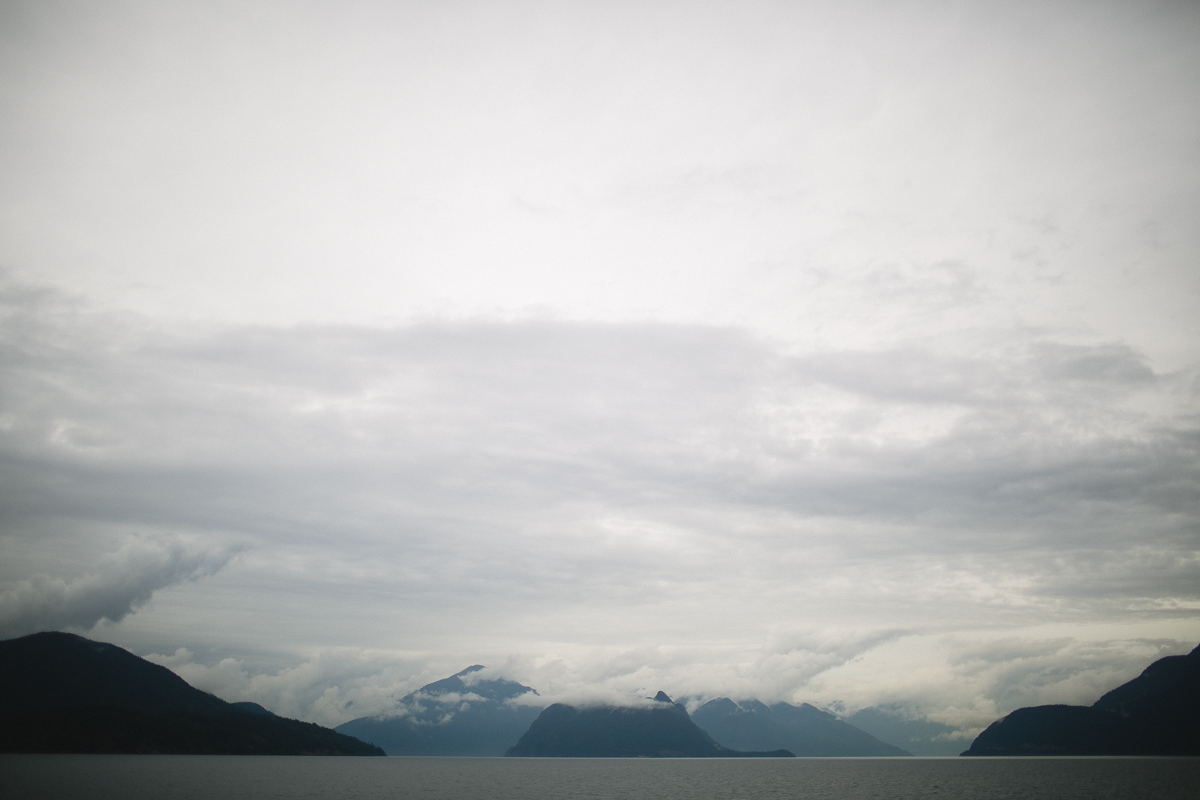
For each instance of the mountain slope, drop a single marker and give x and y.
(1157, 713)
(804, 730)
(663, 730)
(462, 715)
(56, 670)
(61, 693)
(895, 726)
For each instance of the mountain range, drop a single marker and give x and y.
(467, 715)
(662, 729)
(62, 693)
(1157, 713)
(804, 730)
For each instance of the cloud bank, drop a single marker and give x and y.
(607, 509)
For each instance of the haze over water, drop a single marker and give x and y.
(254, 778)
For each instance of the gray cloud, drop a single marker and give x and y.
(314, 433)
(604, 478)
(122, 583)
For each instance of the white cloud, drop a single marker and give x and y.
(329, 689)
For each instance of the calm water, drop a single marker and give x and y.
(205, 777)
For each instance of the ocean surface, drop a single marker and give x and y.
(230, 777)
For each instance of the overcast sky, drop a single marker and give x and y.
(835, 352)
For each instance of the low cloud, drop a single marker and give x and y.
(122, 583)
(968, 680)
(331, 688)
(961, 683)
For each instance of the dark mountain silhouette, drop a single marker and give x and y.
(804, 730)
(61, 693)
(58, 670)
(451, 717)
(1157, 713)
(663, 730)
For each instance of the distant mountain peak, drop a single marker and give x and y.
(805, 730)
(678, 708)
(494, 689)
(451, 717)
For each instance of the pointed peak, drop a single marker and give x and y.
(677, 708)
(469, 670)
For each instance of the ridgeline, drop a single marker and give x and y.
(661, 730)
(62, 693)
(1155, 714)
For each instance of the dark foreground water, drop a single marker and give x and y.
(258, 777)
